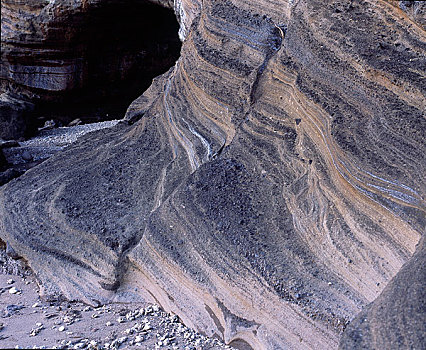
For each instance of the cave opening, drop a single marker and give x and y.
(121, 47)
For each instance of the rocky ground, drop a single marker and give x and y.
(25, 154)
(28, 322)
(48, 141)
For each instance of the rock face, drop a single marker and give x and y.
(265, 189)
(14, 116)
(72, 52)
(396, 319)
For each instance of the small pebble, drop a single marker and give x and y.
(61, 328)
(27, 156)
(138, 339)
(10, 281)
(14, 290)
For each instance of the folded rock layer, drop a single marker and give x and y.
(265, 189)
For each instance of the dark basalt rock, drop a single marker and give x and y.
(267, 189)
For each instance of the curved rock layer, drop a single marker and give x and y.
(265, 189)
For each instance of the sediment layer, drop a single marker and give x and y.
(265, 189)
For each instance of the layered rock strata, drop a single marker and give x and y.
(79, 53)
(265, 189)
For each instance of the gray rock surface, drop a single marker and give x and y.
(14, 115)
(50, 141)
(265, 189)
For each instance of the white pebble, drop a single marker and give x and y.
(122, 340)
(61, 329)
(14, 290)
(138, 339)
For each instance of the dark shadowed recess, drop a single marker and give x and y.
(123, 45)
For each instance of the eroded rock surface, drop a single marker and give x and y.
(265, 189)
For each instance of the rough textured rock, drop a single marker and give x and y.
(396, 319)
(416, 10)
(265, 189)
(14, 116)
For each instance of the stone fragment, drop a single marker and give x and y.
(75, 122)
(26, 155)
(14, 290)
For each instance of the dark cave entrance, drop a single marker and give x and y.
(122, 46)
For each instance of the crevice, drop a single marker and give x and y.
(273, 48)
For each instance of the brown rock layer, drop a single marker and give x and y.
(265, 189)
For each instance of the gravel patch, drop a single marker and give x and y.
(50, 141)
(29, 322)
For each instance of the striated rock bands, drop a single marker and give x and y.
(265, 189)
(81, 52)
